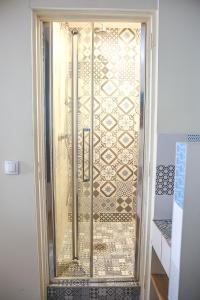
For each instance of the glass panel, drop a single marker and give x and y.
(62, 145)
(116, 153)
(84, 127)
(86, 154)
(72, 44)
(95, 137)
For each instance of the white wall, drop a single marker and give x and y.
(179, 66)
(18, 239)
(179, 107)
(96, 4)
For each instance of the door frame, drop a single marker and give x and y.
(150, 18)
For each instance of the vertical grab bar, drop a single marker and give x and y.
(74, 143)
(86, 154)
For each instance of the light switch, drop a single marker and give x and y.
(11, 167)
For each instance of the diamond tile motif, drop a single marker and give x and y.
(124, 204)
(125, 139)
(96, 139)
(109, 139)
(108, 156)
(126, 105)
(96, 173)
(109, 122)
(127, 35)
(108, 189)
(109, 88)
(96, 105)
(125, 173)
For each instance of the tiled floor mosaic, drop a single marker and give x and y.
(113, 253)
(130, 292)
(117, 256)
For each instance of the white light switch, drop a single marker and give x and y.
(11, 167)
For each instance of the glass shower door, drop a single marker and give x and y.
(70, 145)
(84, 127)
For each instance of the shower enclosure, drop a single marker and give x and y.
(94, 98)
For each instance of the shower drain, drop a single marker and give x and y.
(100, 247)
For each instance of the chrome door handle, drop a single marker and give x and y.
(86, 154)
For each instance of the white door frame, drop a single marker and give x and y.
(150, 18)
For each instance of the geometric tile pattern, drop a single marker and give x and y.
(116, 123)
(115, 258)
(125, 173)
(116, 217)
(165, 179)
(165, 226)
(129, 292)
(124, 204)
(180, 173)
(108, 189)
(193, 138)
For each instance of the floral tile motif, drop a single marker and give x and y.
(108, 189)
(126, 123)
(108, 173)
(109, 122)
(108, 156)
(108, 140)
(125, 156)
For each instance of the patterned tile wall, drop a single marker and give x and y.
(193, 138)
(165, 179)
(116, 123)
(165, 174)
(129, 292)
(180, 173)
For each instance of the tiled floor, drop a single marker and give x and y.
(117, 256)
(94, 293)
(113, 254)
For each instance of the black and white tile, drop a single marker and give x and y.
(117, 292)
(165, 179)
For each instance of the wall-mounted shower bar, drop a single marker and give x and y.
(74, 143)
